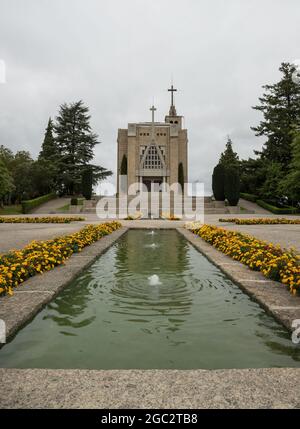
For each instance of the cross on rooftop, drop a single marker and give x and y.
(153, 109)
(172, 90)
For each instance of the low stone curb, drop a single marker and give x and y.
(31, 296)
(272, 296)
(79, 388)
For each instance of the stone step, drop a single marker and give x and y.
(223, 210)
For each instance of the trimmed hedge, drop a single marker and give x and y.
(28, 205)
(276, 210)
(249, 197)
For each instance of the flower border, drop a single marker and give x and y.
(40, 256)
(271, 260)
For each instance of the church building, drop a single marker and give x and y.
(151, 152)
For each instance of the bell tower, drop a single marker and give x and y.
(172, 117)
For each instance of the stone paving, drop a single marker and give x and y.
(15, 236)
(52, 206)
(231, 388)
(255, 208)
(251, 388)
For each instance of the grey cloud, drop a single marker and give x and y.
(117, 55)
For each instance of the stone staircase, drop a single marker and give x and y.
(210, 206)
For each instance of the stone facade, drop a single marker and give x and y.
(153, 150)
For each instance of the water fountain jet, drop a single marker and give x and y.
(154, 280)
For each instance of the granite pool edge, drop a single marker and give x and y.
(272, 296)
(266, 388)
(30, 297)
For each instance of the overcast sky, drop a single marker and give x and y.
(117, 55)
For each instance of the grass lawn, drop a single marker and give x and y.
(66, 207)
(11, 210)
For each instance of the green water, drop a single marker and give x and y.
(112, 317)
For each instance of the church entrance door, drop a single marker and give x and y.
(156, 181)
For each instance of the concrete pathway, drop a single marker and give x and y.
(228, 388)
(253, 207)
(16, 236)
(51, 206)
(231, 388)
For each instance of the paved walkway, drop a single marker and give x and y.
(286, 236)
(16, 236)
(248, 205)
(51, 206)
(232, 388)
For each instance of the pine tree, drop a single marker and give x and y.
(273, 175)
(75, 142)
(290, 185)
(229, 157)
(49, 148)
(280, 106)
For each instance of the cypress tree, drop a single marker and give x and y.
(181, 175)
(87, 183)
(218, 182)
(49, 148)
(232, 185)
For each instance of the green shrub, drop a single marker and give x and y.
(29, 205)
(232, 185)
(74, 201)
(249, 197)
(277, 210)
(218, 182)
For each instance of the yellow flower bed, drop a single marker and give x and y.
(48, 219)
(262, 221)
(272, 261)
(39, 256)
